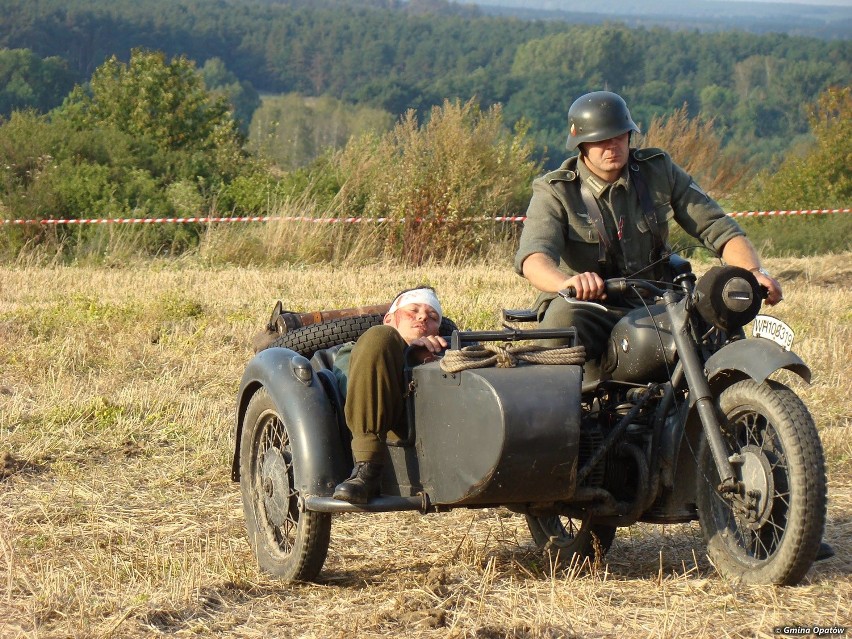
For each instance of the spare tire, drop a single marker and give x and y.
(314, 337)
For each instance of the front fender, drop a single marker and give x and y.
(754, 358)
(320, 460)
(748, 358)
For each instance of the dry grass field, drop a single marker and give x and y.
(118, 517)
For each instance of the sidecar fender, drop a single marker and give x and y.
(301, 401)
(755, 358)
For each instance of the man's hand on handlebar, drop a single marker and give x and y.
(771, 286)
(586, 286)
(615, 286)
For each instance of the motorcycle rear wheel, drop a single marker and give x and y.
(569, 540)
(771, 533)
(288, 543)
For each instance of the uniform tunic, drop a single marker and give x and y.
(558, 225)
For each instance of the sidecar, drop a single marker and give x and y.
(478, 438)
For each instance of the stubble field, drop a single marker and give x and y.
(118, 517)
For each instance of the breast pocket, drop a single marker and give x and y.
(664, 213)
(581, 229)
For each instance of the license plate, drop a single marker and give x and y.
(773, 329)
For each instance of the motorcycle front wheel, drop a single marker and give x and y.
(288, 543)
(568, 540)
(770, 531)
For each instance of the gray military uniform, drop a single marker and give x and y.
(558, 225)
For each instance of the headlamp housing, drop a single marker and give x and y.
(728, 297)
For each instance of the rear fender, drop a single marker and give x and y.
(311, 422)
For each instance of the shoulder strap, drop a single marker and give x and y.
(594, 211)
(647, 205)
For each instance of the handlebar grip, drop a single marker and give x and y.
(616, 286)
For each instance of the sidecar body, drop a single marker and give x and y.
(488, 436)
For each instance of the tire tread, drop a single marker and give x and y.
(807, 483)
(308, 340)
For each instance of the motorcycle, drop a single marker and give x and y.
(680, 422)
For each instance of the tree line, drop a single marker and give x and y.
(395, 56)
(166, 135)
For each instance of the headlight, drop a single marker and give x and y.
(728, 297)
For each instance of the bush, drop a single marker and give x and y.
(437, 184)
(820, 176)
(142, 139)
(696, 147)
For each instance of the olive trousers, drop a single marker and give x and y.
(593, 325)
(375, 394)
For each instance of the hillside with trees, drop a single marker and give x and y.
(167, 117)
(821, 18)
(396, 56)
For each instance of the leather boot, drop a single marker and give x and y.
(363, 483)
(825, 552)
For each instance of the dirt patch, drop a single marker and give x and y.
(9, 465)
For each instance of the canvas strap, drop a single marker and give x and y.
(648, 209)
(593, 210)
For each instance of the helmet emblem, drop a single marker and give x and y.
(573, 129)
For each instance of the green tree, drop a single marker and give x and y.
(292, 130)
(816, 174)
(49, 169)
(821, 176)
(241, 95)
(28, 81)
(144, 137)
(718, 104)
(165, 105)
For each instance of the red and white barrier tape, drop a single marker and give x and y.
(780, 213)
(333, 220)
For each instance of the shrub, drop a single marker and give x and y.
(820, 176)
(437, 184)
(144, 138)
(697, 148)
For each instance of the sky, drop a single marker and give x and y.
(834, 3)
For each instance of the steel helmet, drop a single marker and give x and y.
(597, 116)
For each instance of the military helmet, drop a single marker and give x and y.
(597, 116)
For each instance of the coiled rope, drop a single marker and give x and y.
(508, 355)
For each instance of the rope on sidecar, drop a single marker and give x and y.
(508, 355)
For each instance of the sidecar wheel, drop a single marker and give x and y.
(287, 543)
(566, 538)
(769, 534)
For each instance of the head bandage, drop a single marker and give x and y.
(418, 296)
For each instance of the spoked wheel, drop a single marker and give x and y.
(566, 538)
(288, 543)
(769, 532)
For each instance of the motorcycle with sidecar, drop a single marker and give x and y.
(679, 422)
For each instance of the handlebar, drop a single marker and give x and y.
(616, 286)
